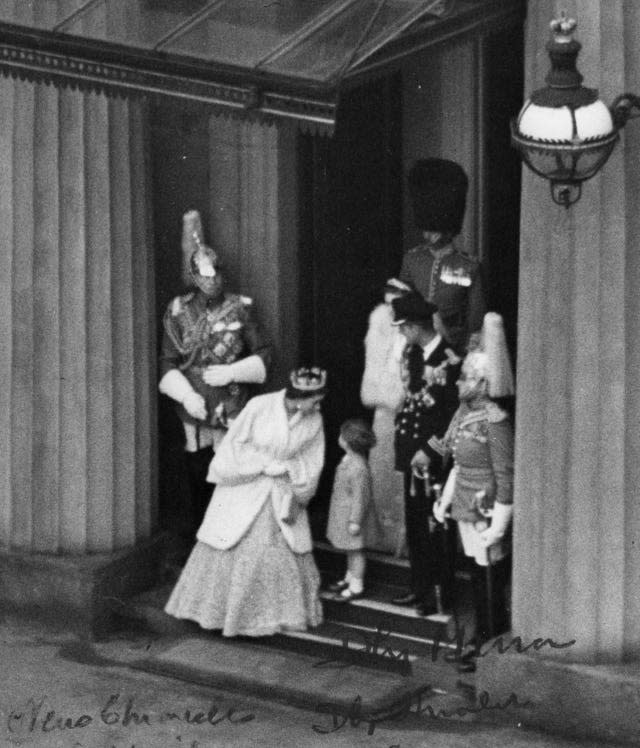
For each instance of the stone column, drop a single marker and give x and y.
(577, 468)
(576, 549)
(254, 217)
(77, 402)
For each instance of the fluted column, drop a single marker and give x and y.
(254, 224)
(576, 553)
(78, 333)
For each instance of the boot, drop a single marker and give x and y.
(200, 491)
(489, 626)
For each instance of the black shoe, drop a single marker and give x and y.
(408, 599)
(338, 586)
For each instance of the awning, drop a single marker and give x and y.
(288, 58)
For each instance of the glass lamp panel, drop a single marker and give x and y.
(541, 161)
(545, 123)
(594, 120)
(564, 166)
(243, 32)
(592, 160)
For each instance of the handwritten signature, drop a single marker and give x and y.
(354, 716)
(38, 717)
(379, 643)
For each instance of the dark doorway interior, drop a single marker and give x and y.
(504, 54)
(351, 242)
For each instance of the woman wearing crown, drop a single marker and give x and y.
(252, 571)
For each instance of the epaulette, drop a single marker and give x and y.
(495, 413)
(178, 303)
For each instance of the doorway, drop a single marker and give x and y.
(350, 243)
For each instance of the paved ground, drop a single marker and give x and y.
(57, 691)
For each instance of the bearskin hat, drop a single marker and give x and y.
(438, 190)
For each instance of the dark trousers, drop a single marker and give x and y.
(199, 490)
(492, 615)
(430, 550)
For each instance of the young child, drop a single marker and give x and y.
(351, 502)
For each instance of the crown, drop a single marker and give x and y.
(309, 379)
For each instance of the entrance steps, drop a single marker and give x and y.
(369, 648)
(368, 632)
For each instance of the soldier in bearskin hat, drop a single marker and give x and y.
(213, 356)
(429, 371)
(443, 274)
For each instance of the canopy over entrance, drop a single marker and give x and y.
(287, 58)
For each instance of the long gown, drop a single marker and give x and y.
(251, 573)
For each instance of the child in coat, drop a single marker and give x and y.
(351, 502)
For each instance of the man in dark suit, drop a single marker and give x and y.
(430, 369)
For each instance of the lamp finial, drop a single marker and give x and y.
(563, 28)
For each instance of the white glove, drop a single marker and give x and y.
(218, 375)
(246, 370)
(195, 405)
(275, 469)
(175, 385)
(442, 505)
(439, 510)
(500, 520)
(250, 370)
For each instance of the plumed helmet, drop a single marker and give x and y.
(438, 189)
(490, 359)
(197, 258)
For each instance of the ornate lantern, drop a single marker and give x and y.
(564, 132)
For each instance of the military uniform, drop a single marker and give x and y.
(199, 333)
(430, 401)
(453, 282)
(481, 444)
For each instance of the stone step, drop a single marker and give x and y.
(376, 612)
(367, 640)
(291, 677)
(382, 568)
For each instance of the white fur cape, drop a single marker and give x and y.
(261, 436)
(381, 382)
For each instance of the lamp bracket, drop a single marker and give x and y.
(626, 106)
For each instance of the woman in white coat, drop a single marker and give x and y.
(382, 390)
(252, 571)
